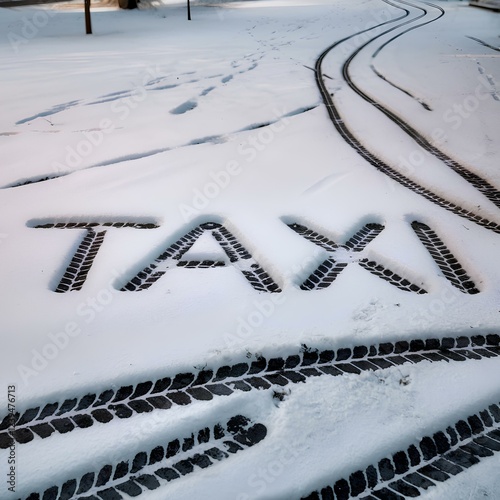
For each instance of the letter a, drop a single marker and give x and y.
(238, 256)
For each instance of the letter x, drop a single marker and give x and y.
(238, 256)
(340, 256)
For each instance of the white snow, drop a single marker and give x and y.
(159, 120)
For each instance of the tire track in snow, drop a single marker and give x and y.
(497, 49)
(408, 93)
(339, 256)
(330, 268)
(433, 459)
(479, 183)
(237, 254)
(149, 470)
(485, 188)
(181, 389)
(379, 49)
(491, 192)
(490, 80)
(76, 273)
(446, 261)
(213, 139)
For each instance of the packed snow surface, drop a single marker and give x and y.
(161, 126)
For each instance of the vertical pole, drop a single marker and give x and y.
(88, 25)
(189, 10)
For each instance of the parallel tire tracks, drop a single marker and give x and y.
(83, 411)
(379, 164)
(475, 180)
(433, 459)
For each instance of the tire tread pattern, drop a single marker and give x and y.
(235, 251)
(148, 470)
(261, 373)
(432, 460)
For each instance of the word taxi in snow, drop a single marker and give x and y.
(335, 257)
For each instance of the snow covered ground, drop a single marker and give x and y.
(227, 135)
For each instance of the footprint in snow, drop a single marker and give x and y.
(206, 91)
(184, 107)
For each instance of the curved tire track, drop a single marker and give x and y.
(380, 165)
(408, 93)
(211, 139)
(475, 180)
(164, 463)
(184, 388)
(434, 459)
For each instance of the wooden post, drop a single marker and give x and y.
(189, 10)
(88, 25)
